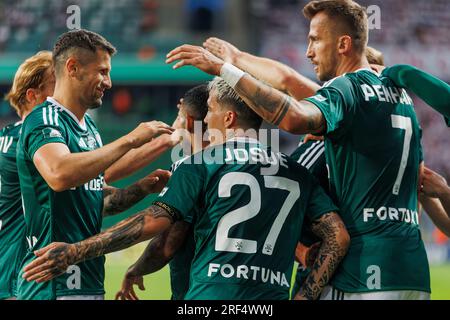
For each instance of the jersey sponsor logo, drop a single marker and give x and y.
(255, 273)
(88, 143)
(392, 95)
(391, 214)
(319, 98)
(5, 143)
(95, 184)
(51, 133)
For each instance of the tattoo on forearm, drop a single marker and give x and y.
(118, 200)
(161, 249)
(118, 237)
(269, 103)
(330, 254)
(121, 236)
(152, 259)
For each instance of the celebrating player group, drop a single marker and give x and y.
(234, 214)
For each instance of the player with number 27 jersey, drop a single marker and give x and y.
(250, 219)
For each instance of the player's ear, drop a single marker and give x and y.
(230, 119)
(190, 123)
(71, 66)
(30, 96)
(344, 44)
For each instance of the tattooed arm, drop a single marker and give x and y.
(160, 250)
(117, 200)
(272, 105)
(158, 253)
(335, 242)
(54, 259)
(298, 117)
(274, 73)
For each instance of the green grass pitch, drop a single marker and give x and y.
(158, 287)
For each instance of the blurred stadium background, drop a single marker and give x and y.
(413, 31)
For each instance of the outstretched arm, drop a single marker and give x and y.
(158, 253)
(274, 73)
(63, 170)
(435, 92)
(138, 158)
(335, 242)
(117, 200)
(54, 259)
(272, 105)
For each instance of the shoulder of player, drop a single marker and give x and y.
(11, 129)
(38, 115)
(177, 163)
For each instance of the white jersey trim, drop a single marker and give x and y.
(81, 123)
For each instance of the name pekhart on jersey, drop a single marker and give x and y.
(69, 216)
(12, 223)
(251, 210)
(373, 152)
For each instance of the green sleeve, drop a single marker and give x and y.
(319, 202)
(337, 104)
(37, 133)
(427, 87)
(183, 191)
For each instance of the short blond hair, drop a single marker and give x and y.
(29, 75)
(374, 56)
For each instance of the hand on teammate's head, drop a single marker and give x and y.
(222, 49)
(377, 68)
(146, 131)
(195, 56)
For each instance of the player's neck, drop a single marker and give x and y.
(240, 133)
(70, 101)
(351, 64)
(197, 144)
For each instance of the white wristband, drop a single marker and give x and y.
(231, 74)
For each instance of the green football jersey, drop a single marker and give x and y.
(311, 155)
(373, 152)
(69, 216)
(12, 223)
(180, 265)
(252, 204)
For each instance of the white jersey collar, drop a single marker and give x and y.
(81, 123)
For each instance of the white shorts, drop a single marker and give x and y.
(330, 293)
(86, 297)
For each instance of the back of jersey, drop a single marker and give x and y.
(253, 205)
(373, 151)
